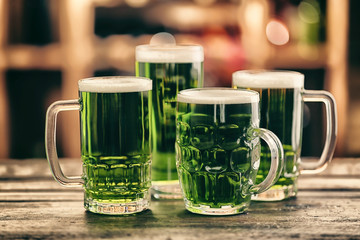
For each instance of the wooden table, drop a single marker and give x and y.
(34, 206)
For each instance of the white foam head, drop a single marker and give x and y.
(268, 79)
(163, 49)
(217, 96)
(116, 84)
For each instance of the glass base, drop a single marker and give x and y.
(224, 210)
(276, 193)
(166, 190)
(117, 208)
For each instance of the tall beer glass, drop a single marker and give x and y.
(172, 68)
(282, 96)
(218, 149)
(115, 143)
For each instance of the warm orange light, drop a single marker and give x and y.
(137, 3)
(254, 14)
(277, 33)
(205, 2)
(193, 15)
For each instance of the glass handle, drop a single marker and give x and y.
(50, 141)
(277, 161)
(331, 130)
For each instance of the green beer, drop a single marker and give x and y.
(115, 143)
(172, 69)
(282, 97)
(281, 112)
(169, 79)
(218, 149)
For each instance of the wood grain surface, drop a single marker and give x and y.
(34, 206)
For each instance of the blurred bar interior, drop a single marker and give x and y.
(47, 45)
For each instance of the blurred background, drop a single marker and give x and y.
(46, 46)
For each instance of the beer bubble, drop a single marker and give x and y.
(163, 38)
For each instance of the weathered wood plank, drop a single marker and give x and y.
(32, 184)
(325, 182)
(310, 216)
(39, 167)
(41, 196)
(340, 166)
(34, 206)
(307, 183)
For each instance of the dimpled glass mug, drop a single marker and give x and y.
(282, 96)
(115, 149)
(218, 149)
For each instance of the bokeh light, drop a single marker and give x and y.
(136, 3)
(309, 11)
(277, 33)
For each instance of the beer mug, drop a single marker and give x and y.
(282, 96)
(218, 149)
(172, 68)
(115, 149)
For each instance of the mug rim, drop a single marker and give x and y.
(115, 84)
(217, 95)
(263, 78)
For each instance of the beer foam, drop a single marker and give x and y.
(115, 84)
(268, 79)
(217, 96)
(163, 49)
